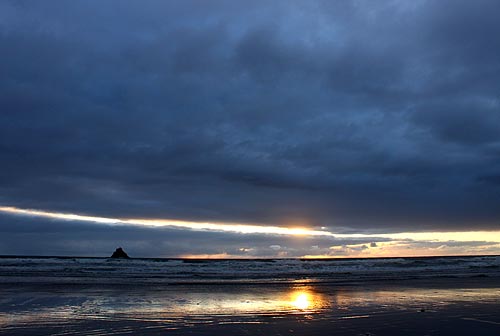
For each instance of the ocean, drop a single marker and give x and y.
(383, 296)
(174, 271)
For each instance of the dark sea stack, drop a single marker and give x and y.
(120, 253)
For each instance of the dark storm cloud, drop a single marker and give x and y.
(352, 115)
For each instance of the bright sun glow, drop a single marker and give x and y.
(466, 236)
(224, 227)
(301, 300)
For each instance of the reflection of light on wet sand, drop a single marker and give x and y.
(273, 301)
(302, 300)
(168, 306)
(182, 307)
(413, 298)
(180, 304)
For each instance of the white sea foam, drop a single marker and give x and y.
(104, 270)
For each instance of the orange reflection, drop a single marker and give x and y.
(173, 305)
(302, 301)
(306, 299)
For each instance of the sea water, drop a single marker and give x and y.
(172, 271)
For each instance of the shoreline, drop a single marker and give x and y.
(443, 281)
(443, 307)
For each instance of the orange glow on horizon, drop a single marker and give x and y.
(208, 256)
(402, 244)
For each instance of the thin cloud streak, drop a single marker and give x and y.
(459, 236)
(237, 228)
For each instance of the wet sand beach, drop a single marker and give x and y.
(446, 306)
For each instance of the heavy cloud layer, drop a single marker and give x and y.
(352, 115)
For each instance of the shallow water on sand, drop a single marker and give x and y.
(443, 307)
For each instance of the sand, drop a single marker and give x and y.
(443, 307)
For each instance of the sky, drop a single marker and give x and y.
(250, 128)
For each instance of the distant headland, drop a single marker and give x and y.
(120, 253)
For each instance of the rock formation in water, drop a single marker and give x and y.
(120, 253)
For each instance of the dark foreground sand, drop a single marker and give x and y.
(443, 307)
